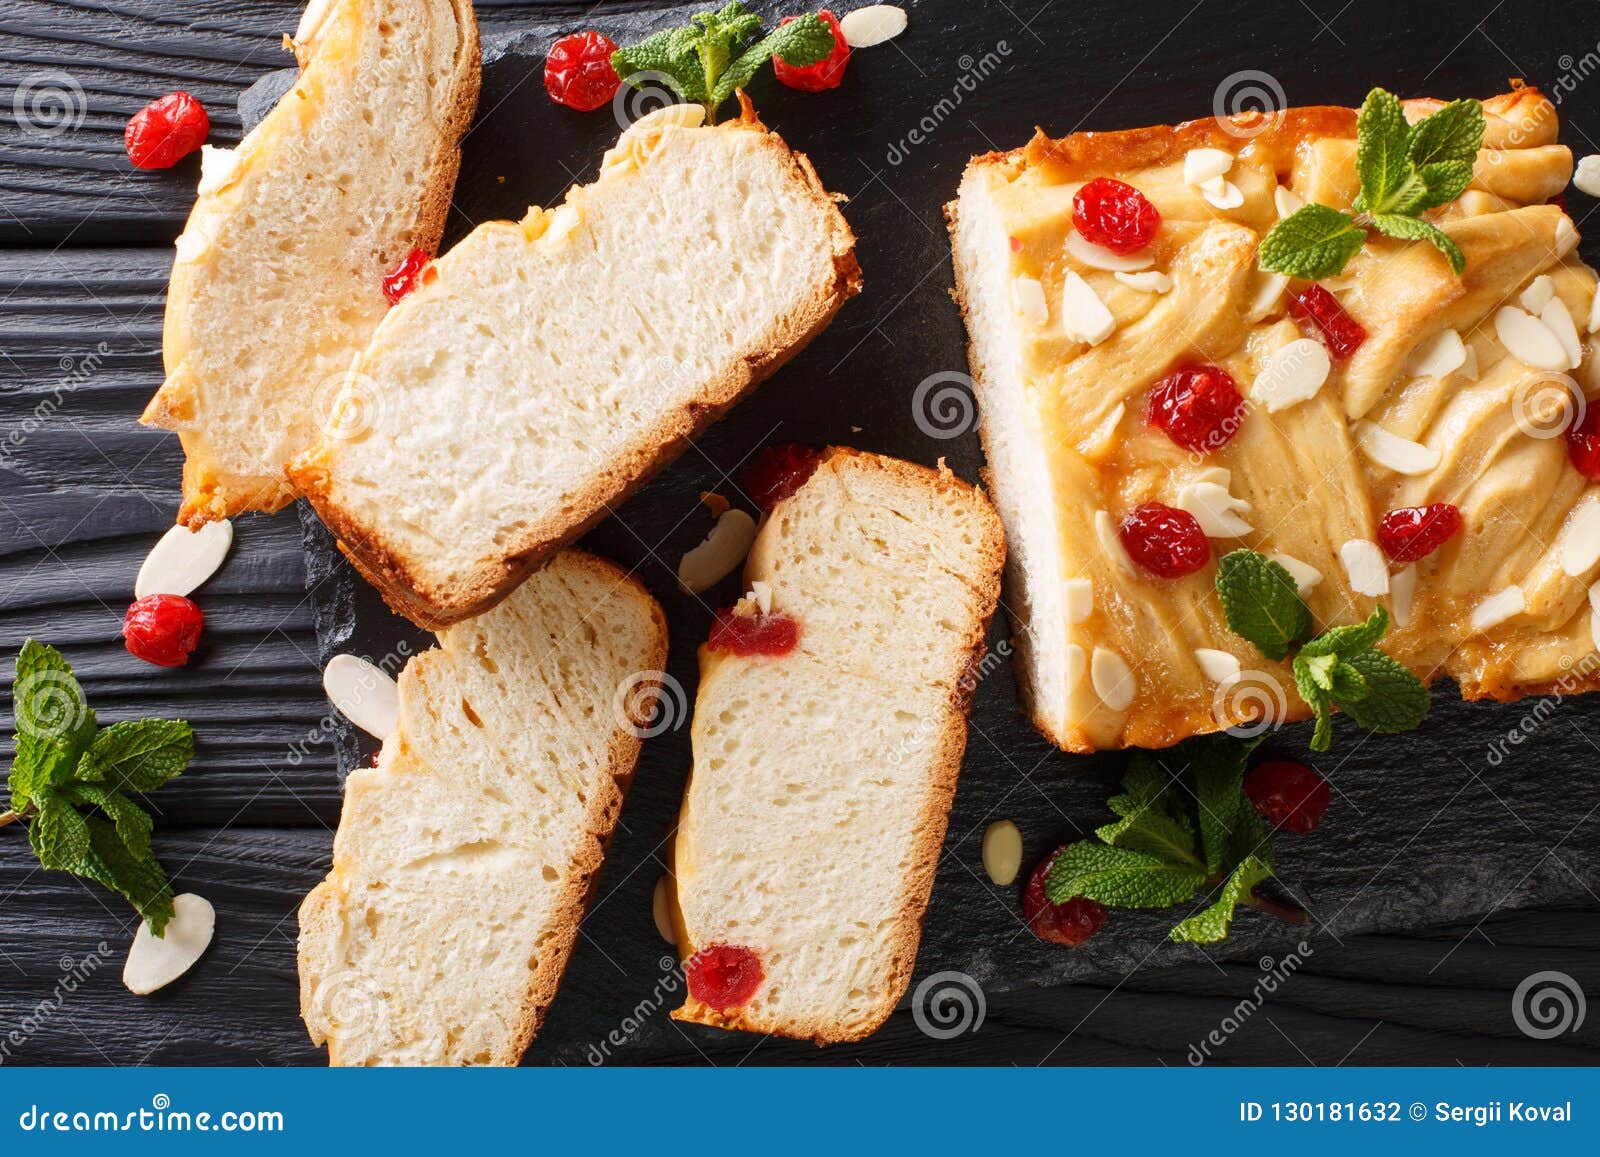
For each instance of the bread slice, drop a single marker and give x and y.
(464, 859)
(554, 365)
(1065, 431)
(823, 778)
(278, 280)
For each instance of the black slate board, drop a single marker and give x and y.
(1452, 837)
(84, 255)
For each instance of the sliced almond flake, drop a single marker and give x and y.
(1202, 165)
(183, 559)
(1586, 176)
(1292, 373)
(1304, 574)
(364, 694)
(1105, 529)
(1077, 661)
(1099, 439)
(1594, 311)
(1027, 298)
(1558, 317)
(1365, 567)
(1215, 509)
(1287, 201)
(1080, 599)
(872, 25)
(1112, 679)
(1594, 613)
(1594, 596)
(1529, 340)
(1099, 257)
(155, 963)
(1402, 595)
(1084, 316)
(1218, 666)
(1222, 193)
(1498, 607)
(1580, 545)
(1269, 289)
(218, 168)
(1566, 237)
(1393, 452)
(762, 594)
(723, 550)
(1469, 368)
(1153, 281)
(1538, 294)
(1441, 355)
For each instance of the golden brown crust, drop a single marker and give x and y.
(210, 491)
(943, 774)
(412, 595)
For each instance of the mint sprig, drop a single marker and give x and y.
(1405, 170)
(707, 60)
(1341, 667)
(1185, 827)
(71, 783)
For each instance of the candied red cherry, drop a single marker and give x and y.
(1288, 794)
(755, 634)
(1115, 215)
(724, 976)
(1166, 541)
(162, 629)
(1414, 532)
(1341, 333)
(1071, 923)
(1583, 444)
(778, 472)
(1199, 407)
(165, 131)
(406, 276)
(825, 73)
(578, 72)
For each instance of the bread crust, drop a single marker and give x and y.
(1522, 117)
(966, 663)
(321, 911)
(410, 594)
(210, 490)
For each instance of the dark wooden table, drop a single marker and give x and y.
(84, 256)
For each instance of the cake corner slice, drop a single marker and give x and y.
(823, 777)
(464, 859)
(279, 271)
(553, 366)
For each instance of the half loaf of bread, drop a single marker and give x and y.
(464, 859)
(823, 778)
(552, 366)
(279, 274)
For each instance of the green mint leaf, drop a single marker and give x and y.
(1146, 780)
(1312, 243)
(803, 41)
(139, 879)
(54, 722)
(58, 835)
(1212, 923)
(1120, 877)
(1442, 183)
(1251, 837)
(1316, 697)
(1454, 135)
(132, 822)
(1382, 140)
(1347, 641)
(1217, 764)
(1395, 701)
(137, 755)
(1152, 831)
(1411, 229)
(1261, 603)
(1316, 671)
(1348, 684)
(669, 58)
